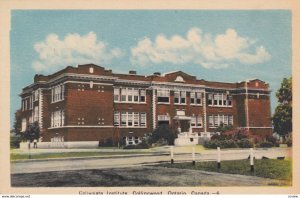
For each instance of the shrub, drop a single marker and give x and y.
(265, 144)
(106, 143)
(228, 144)
(245, 143)
(142, 145)
(211, 144)
(165, 132)
(289, 142)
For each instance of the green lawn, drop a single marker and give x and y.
(22, 156)
(270, 168)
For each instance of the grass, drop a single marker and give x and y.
(270, 168)
(23, 156)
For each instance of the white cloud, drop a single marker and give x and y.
(74, 49)
(219, 51)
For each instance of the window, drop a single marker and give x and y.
(192, 97)
(182, 97)
(210, 97)
(36, 114)
(36, 95)
(216, 98)
(176, 97)
(129, 95)
(199, 121)
(229, 98)
(135, 95)
(143, 119)
(193, 122)
(195, 98)
(136, 119)
(211, 121)
(116, 118)
(123, 94)
(30, 102)
(58, 93)
(163, 96)
(230, 120)
(123, 119)
(143, 95)
(130, 119)
(116, 94)
(57, 118)
(220, 100)
(23, 105)
(179, 97)
(24, 124)
(225, 122)
(217, 120)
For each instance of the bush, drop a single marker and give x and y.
(106, 143)
(211, 144)
(265, 144)
(228, 144)
(289, 142)
(142, 145)
(165, 132)
(245, 143)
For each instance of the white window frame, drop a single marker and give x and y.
(129, 95)
(136, 119)
(36, 113)
(221, 99)
(199, 122)
(195, 96)
(116, 94)
(143, 119)
(57, 93)
(163, 93)
(211, 121)
(142, 94)
(180, 95)
(57, 118)
(117, 120)
(24, 124)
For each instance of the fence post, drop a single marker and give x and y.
(251, 160)
(193, 156)
(219, 157)
(172, 155)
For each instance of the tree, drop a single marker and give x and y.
(282, 118)
(164, 132)
(32, 132)
(15, 134)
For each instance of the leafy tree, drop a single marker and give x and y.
(18, 121)
(32, 132)
(15, 134)
(223, 128)
(165, 132)
(282, 118)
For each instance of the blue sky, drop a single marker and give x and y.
(214, 45)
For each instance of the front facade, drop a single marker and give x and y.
(90, 103)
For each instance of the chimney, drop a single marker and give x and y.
(156, 73)
(132, 72)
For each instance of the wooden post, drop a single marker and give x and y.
(172, 155)
(219, 157)
(251, 160)
(193, 157)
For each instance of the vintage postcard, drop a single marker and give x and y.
(145, 98)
